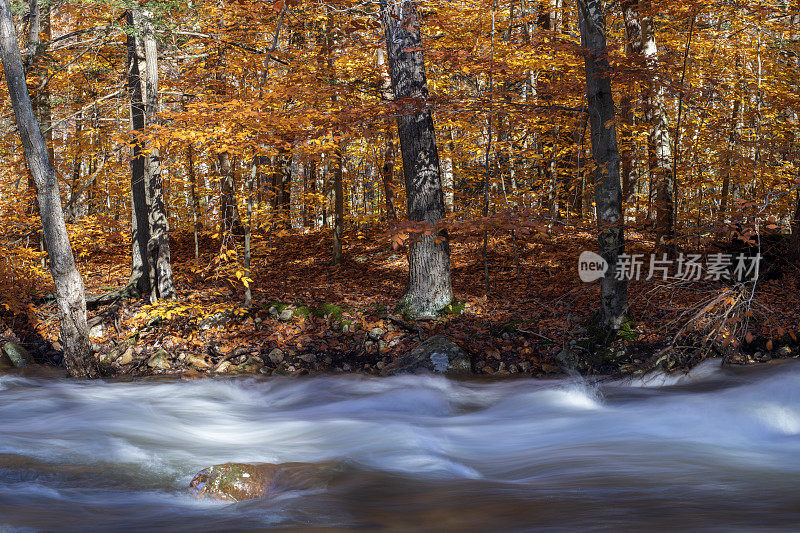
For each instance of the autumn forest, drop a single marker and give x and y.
(226, 186)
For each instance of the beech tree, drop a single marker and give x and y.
(157, 263)
(607, 189)
(429, 288)
(140, 224)
(70, 296)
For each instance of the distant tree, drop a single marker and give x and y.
(659, 146)
(70, 296)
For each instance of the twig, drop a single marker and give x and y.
(400, 322)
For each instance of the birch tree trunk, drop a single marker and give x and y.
(659, 145)
(70, 296)
(429, 288)
(387, 171)
(633, 48)
(608, 192)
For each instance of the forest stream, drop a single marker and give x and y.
(717, 448)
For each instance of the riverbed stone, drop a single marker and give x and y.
(97, 331)
(309, 358)
(127, 357)
(276, 356)
(159, 360)
(18, 355)
(243, 481)
(438, 354)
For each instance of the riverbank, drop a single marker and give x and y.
(308, 316)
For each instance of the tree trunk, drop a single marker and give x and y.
(193, 199)
(659, 146)
(283, 164)
(608, 193)
(38, 31)
(795, 238)
(338, 214)
(387, 172)
(312, 187)
(161, 281)
(633, 48)
(230, 223)
(248, 233)
(429, 288)
(140, 268)
(70, 296)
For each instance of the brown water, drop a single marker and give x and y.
(717, 450)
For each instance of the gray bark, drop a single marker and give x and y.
(193, 199)
(230, 221)
(633, 48)
(161, 281)
(140, 224)
(608, 192)
(659, 146)
(70, 296)
(338, 213)
(728, 162)
(387, 171)
(429, 288)
(795, 238)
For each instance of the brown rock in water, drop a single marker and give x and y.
(243, 481)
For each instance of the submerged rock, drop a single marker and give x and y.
(243, 481)
(437, 354)
(18, 355)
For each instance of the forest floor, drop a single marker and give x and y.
(308, 315)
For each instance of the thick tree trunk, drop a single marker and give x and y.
(140, 224)
(608, 193)
(70, 296)
(429, 288)
(161, 281)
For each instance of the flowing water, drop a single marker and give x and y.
(718, 449)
